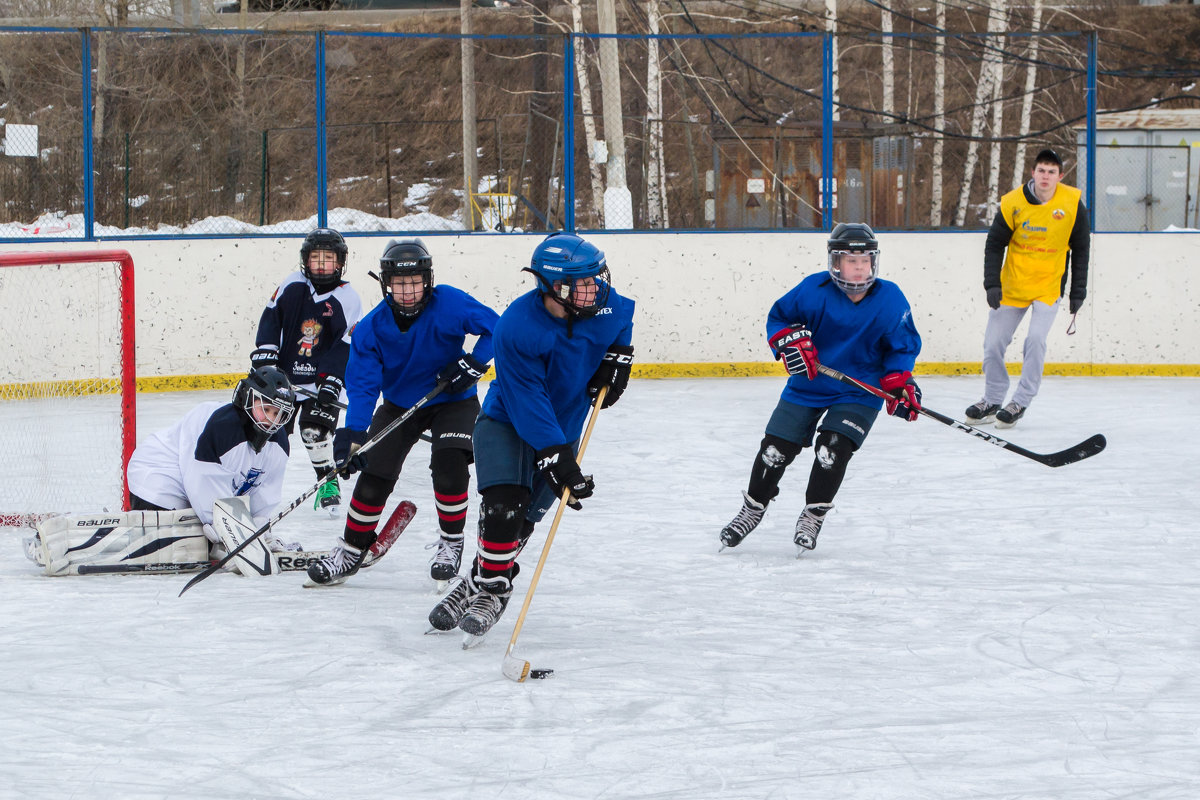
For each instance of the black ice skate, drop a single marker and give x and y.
(981, 413)
(1008, 416)
(808, 525)
(342, 562)
(746, 520)
(483, 612)
(446, 560)
(446, 614)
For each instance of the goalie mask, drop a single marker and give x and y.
(267, 400)
(406, 277)
(329, 240)
(573, 272)
(855, 239)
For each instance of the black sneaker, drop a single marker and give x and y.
(1008, 416)
(982, 412)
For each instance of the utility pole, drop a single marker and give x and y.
(470, 135)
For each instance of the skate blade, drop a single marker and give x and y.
(471, 641)
(440, 586)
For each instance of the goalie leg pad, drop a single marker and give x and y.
(132, 539)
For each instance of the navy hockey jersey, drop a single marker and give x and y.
(309, 327)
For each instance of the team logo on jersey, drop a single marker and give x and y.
(310, 335)
(248, 482)
(1059, 213)
(328, 309)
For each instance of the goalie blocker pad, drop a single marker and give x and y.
(234, 524)
(73, 544)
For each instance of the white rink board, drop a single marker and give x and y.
(701, 297)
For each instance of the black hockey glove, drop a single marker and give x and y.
(346, 443)
(994, 293)
(561, 471)
(461, 375)
(905, 402)
(322, 410)
(264, 357)
(613, 372)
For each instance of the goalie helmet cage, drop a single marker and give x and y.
(69, 386)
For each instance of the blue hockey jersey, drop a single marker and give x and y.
(403, 365)
(542, 372)
(309, 328)
(866, 340)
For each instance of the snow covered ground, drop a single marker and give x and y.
(971, 625)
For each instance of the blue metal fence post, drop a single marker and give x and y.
(89, 187)
(1091, 126)
(569, 132)
(827, 132)
(322, 148)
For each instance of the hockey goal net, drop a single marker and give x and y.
(68, 383)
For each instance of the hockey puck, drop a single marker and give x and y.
(539, 674)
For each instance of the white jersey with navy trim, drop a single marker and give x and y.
(206, 457)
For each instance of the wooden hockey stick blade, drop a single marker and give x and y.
(515, 669)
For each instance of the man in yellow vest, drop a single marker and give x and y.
(1044, 227)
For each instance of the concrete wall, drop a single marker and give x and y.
(702, 298)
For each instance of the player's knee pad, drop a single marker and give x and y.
(372, 490)
(312, 434)
(450, 470)
(833, 450)
(774, 456)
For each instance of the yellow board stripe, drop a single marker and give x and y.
(724, 369)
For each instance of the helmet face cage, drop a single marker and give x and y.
(266, 387)
(324, 239)
(852, 239)
(567, 268)
(408, 257)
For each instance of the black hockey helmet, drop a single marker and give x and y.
(855, 238)
(324, 239)
(406, 257)
(269, 387)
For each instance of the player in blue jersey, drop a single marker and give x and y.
(556, 346)
(861, 325)
(409, 343)
(303, 332)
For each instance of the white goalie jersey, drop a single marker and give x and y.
(206, 457)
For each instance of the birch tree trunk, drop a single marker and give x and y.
(889, 64)
(656, 188)
(993, 190)
(983, 92)
(1027, 100)
(831, 28)
(939, 117)
(589, 120)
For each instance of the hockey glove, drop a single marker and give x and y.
(264, 357)
(461, 375)
(613, 372)
(905, 402)
(1076, 304)
(794, 345)
(561, 471)
(346, 443)
(321, 411)
(994, 294)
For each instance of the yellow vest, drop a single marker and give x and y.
(1037, 254)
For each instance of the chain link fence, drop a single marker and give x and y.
(204, 133)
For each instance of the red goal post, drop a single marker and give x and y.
(68, 391)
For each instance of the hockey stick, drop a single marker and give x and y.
(299, 501)
(311, 395)
(514, 668)
(1085, 449)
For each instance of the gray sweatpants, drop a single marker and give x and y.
(1002, 324)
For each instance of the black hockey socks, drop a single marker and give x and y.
(366, 507)
(451, 479)
(832, 453)
(774, 456)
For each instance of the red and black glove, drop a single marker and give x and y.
(905, 401)
(794, 345)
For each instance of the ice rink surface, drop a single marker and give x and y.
(972, 624)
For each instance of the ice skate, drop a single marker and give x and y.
(981, 413)
(746, 520)
(329, 498)
(332, 570)
(808, 525)
(446, 560)
(483, 611)
(1008, 416)
(446, 615)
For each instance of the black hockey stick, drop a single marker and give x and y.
(1085, 449)
(311, 395)
(299, 501)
